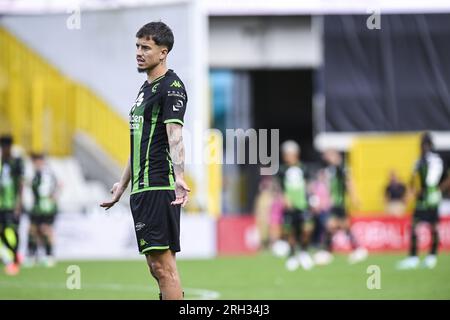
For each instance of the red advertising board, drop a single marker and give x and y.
(392, 234)
(238, 234)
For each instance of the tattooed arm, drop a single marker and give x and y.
(175, 137)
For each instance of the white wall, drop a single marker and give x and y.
(264, 42)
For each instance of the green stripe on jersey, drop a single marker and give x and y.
(138, 122)
(174, 121)
(155, 113)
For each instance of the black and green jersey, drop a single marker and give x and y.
(158, 103)
(428, 173)
(44, 187)
(293, 183)
(11, 174)
(337, 183)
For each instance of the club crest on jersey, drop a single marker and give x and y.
(155, 87)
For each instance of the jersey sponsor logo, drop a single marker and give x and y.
(135, 121)
(177, 94)
(155, 87)
(176, 84)
(139, 99)
(176, 107)
(137, 102)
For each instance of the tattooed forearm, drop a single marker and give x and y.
(174, 134)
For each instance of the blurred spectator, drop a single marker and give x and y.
(263, 208)
(320, 203)
(395, 196)
(276, 216)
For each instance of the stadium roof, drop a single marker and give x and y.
(238, 7)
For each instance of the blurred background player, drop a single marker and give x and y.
(11, 185)
(320, 202)
(424, 186)
(43, 212)
(395, 196)
(298, 220)
(340, 184)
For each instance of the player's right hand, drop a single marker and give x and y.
(116, 191)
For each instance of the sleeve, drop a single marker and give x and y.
(174, 104)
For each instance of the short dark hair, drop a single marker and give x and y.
(426, 140)
(159, 32)
(6, 140)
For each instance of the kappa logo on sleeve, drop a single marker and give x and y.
(176, 84)
(142, 242)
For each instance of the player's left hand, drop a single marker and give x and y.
(181, 192)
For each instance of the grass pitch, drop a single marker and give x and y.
(256, 277)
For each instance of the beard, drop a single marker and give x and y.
(147, 69)
(143, 70)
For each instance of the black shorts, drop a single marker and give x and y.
(156, 221)
(430, 216)
(39, 219)
(294, 218)
(7, 218)
(338, 212)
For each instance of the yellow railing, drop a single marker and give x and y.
(43, 109)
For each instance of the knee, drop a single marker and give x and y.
(162, 272)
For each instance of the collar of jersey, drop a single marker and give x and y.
(159, 78)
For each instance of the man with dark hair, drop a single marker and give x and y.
(424, 185)
(43, 212)
(11, 185)
(156, 166)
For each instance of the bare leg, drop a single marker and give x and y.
(163, 268)
(47, 233)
